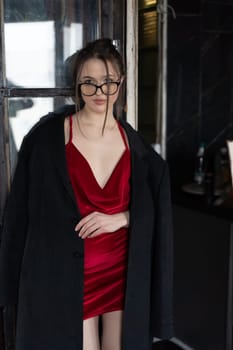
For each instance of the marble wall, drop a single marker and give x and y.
(200, 82)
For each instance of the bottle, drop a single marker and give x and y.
(222, 171)
(209, 188)
(199, 173)
(225, 166)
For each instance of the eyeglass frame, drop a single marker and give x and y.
(100, 87)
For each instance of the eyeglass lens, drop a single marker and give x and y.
(90, 89)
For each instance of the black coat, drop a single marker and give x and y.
(41, 257)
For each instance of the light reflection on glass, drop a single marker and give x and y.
(24, 113)
(150, 2)
(147, 3)
(30, 53)
(73, 36)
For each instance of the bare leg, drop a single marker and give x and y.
(91, 334)
(112, 330)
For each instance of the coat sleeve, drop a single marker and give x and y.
(162, 254)
(14, 231)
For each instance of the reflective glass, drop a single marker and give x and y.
(146, 3)
(41, 34)
(24, 113)
(90, 89)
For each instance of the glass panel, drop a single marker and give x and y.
(148, 28)
(148, 70)
(41, 34)
(24, 113)
(147, 3)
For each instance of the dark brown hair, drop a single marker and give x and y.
(104, 50)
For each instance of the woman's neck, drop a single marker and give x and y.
(89, 118)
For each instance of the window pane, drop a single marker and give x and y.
(25, 112)
(147, 70)
(40, 35)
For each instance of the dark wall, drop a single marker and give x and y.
(200, 109)
(200, 68)
(201, 283)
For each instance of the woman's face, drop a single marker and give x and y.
(94, 72)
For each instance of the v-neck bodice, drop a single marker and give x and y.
(89, 194)
(87, 165)
(91, 174)
(106, 254)
(88, 191)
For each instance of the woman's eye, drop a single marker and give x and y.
(107, 81)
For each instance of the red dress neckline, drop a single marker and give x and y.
(117, 165)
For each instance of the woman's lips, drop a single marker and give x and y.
(99, 102)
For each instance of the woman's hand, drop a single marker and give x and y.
(96, 223)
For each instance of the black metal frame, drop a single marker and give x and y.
(38, 92)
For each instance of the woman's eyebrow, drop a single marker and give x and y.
(88, 77)
(103, 77)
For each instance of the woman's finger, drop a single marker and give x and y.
(88, 229)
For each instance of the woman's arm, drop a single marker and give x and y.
(97, 223)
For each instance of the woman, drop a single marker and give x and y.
(86, 252)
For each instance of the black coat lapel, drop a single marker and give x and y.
(139, 166)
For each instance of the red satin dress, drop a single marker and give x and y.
(105, 256)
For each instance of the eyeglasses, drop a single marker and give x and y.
(90, 89)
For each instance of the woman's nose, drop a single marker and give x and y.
(98, 91)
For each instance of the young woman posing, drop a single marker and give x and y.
(86, 252)
(96, 141)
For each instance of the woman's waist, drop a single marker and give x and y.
(111, 210)
(111, 243)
